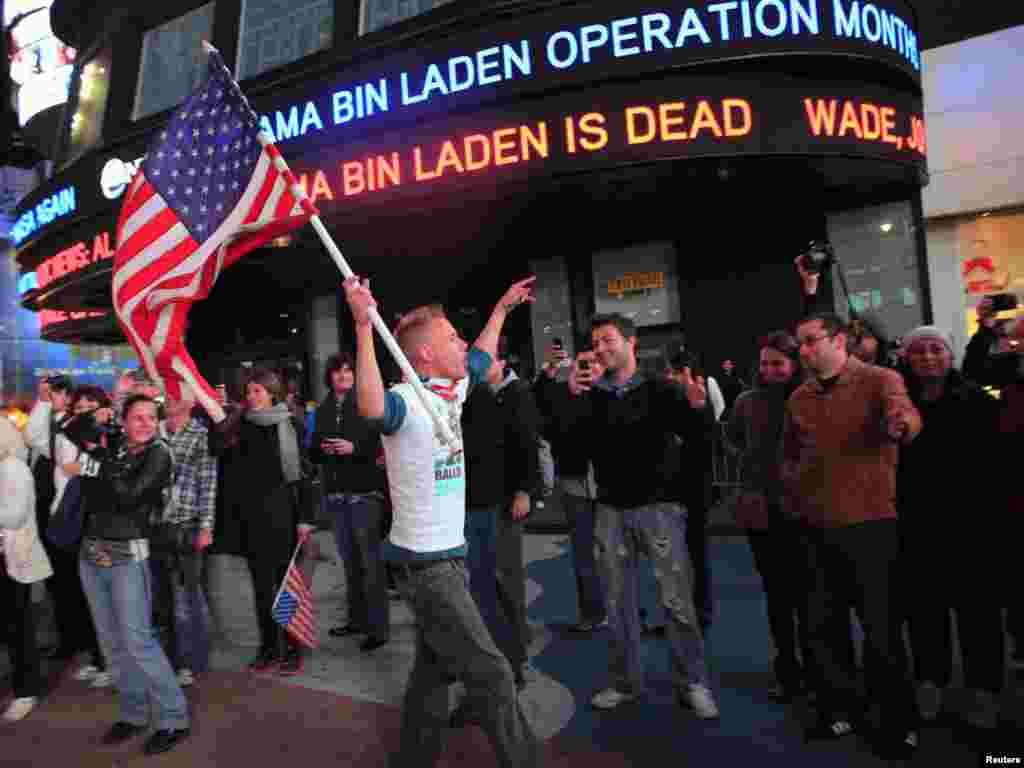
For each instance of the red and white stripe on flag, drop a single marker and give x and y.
(160, 269)
(302, 625)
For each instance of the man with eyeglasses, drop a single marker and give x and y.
(841, 439)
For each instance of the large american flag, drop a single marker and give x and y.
(212, 188)
(293, 608)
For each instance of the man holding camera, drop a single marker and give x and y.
(843, 428)
(630, 425)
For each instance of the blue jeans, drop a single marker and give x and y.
(180, 577)
(589, 592)
(121, 601)
(357, 531)
(658, 531)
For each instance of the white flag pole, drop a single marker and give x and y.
(389, 341)
(443, 430)
(284, 581)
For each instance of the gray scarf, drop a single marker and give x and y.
(287, 439)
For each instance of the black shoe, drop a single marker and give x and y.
(122, 731)
(345, 630)
(264, 661)
(652, 629)
(829, 730)
(164, 739)
(371, 644)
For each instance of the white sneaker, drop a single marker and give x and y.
(185, 677)
(102, 680)
(88, 672)
(19, 709)
(701, 701)
(610, 698)
(929, 701)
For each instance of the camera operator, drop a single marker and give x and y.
(865, 336)
(630, 425)
(81, 432)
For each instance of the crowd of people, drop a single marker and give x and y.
(850, 500)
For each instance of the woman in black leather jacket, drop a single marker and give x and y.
(131, 479)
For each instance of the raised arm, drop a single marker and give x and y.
(369, 383)
(519, 293)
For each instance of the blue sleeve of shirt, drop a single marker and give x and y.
(477, 364)
(310, 428)
(395, 410)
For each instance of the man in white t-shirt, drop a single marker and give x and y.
(427, 544)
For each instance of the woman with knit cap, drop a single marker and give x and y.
(945, 555)
(754, 431)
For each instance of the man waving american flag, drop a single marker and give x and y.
(212, 188)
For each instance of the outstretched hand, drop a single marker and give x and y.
(518, 293)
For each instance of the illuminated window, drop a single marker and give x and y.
(877, 248)
(86, 129)
(173, 62)
(278, 32)
(378, 14)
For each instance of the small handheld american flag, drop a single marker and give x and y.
(212, 188)
(293, 607)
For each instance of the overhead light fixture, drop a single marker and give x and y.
(886, 226)
(986, 213)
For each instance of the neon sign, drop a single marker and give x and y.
(73, 258)
(628, 123)
(49, 209)
(565, 46)
(48, 317)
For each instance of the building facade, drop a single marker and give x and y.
(667, 160)
(974, 207)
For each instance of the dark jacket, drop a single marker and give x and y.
(357, 472)
(522, 473)
(985, 368)
(255, 506)
(631, 439)
(965, 417)
(129, 493)
(754, 431)
(485, 439)
(568, 444)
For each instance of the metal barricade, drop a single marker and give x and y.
(725, 471)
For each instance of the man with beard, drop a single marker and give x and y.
(630, 424)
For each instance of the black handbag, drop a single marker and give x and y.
(65, 527)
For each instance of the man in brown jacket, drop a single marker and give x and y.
(840, 444)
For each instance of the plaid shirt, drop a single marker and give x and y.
(194, 487)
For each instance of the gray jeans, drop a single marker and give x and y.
(452, 641)
(658, 531)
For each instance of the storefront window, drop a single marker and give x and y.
(877, 251)
(86, 129)
(173, 62)
(378, 14)
(278, 32)
(640, 282)
(991, 259)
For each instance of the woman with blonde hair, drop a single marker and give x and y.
(24, 563)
